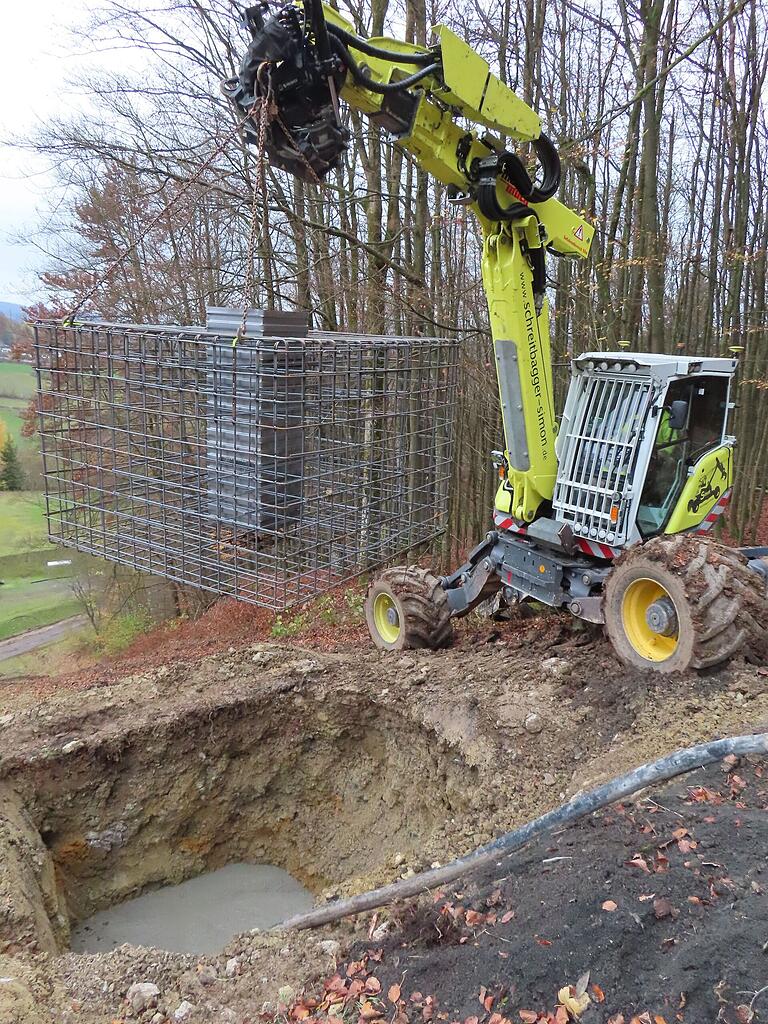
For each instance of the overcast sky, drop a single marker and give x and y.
(33, 69)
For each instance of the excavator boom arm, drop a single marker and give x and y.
(443, 105)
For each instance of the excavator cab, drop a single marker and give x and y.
(643, 447)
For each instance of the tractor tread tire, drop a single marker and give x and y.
(425, 614)
(724, 602)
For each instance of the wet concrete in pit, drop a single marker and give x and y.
(200, 915)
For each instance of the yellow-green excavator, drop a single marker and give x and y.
(606, 513)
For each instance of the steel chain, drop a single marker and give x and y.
(267, 111)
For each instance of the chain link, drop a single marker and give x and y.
(267, 112)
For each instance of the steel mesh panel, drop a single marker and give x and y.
(598, 455)
(270, 472)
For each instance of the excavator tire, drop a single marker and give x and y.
(406, 608)
(710, 604)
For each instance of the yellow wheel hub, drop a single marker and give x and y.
(386, 618)
(638, 597)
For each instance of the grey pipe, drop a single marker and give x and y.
(586, 803)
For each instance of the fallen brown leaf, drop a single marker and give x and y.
(610, 906)
(370, 1012)
(394, 993)
(661, 907)
(526, 1016)
(639, 862)
(598, 993)
(662, 863)
(355, 989)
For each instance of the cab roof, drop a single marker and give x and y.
(655, 364)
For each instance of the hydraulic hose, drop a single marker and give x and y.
(375, 51)
(581, 805)
(512, 168)
(380, 87)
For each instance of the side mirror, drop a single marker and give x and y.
(678, 415)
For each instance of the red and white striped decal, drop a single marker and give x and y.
(714, 515)
(505, 522)
(597, 550)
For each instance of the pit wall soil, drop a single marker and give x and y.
(33, 914)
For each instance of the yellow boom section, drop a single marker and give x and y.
(466, 88)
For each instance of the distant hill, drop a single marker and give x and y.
(12, 310)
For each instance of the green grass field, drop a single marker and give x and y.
(24, 554)
(11, 413)
(25, 604)
(23, 526)
(17, 380)
(17, 387)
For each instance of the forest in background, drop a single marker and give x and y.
(656, 109)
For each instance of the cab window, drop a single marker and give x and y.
(691, 423)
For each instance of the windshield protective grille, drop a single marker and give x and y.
(598, 455)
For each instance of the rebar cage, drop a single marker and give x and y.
(270, 470)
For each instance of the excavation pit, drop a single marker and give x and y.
(333, 787)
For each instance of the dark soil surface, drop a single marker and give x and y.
(662, 901)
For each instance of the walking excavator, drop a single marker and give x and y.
(606, 513)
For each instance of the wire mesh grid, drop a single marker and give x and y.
(270, 471)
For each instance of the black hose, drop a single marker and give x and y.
(375, 51)
(585, 803)
(367, 82)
